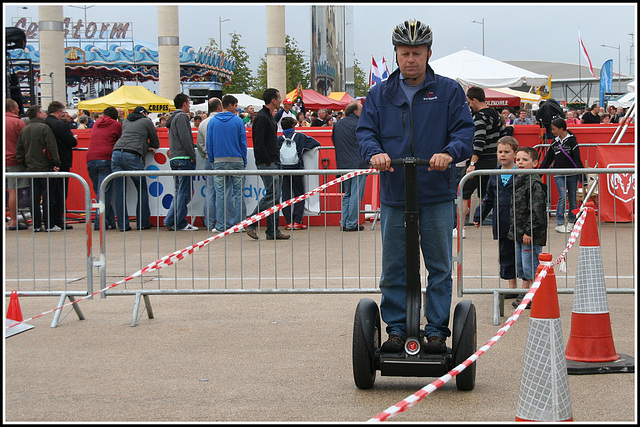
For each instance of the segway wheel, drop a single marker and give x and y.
(465, 347)
(366, 340)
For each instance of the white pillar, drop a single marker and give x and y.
(276, 52)
(51, 29)
(168, 51)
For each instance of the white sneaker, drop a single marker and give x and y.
(570, 227)
(561, 229)
(455, 233)
(215, 231)
(54, 228)
(189, 227)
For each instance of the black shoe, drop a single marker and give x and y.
(279, 236)
(127, 229)
(67, 226)
(144, 228)
(395, 344)
(511, 296)
(518, 301)
(435, 345)
(356, 228)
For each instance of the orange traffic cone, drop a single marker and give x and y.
(590, 348)
(14, 312)
(544, 387)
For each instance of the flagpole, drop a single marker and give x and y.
(579, 66)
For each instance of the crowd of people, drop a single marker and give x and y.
(42, 141)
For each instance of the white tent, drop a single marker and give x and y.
(244, 101)
(470, 68)
(624, 101)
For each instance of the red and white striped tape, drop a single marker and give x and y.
(408, 402)
(183, 253)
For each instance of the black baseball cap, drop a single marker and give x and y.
(141, 110)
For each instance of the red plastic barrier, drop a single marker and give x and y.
(527, 135)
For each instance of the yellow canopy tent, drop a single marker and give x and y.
(128, 98)
(527, 97)
(341, 96)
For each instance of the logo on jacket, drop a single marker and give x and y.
(430, 96)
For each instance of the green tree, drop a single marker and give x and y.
(260, 82)
(297, 69)
(241, 82)
(361, 85)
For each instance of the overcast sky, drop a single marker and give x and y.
(512, 31)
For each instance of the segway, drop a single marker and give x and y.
(413, 361)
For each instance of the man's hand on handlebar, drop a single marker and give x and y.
(381, 162)
(440, 161)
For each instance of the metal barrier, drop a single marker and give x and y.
(237, 264)
(609, 232)
(320, 259)
(51, 273)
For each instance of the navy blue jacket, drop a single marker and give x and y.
(439, 121)
(497, 198)
(303, 143)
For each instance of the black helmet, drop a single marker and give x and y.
(412, 33)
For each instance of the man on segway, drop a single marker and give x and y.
(416, 113)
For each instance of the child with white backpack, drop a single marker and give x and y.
(292, 146)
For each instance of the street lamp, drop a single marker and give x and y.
(482, 23)
(613, 47)
(220, 21)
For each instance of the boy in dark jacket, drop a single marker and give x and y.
(294, 183)
(529, 213)
(498, 196)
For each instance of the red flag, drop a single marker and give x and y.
(586, 55)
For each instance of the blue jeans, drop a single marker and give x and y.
(222, 200)
(293, 186)
(184, 188)
(210, 200)
(353, 192)
(566, 183)
(436, 245)
(527, 260)
(121, 161)
(273, 189)
(98, 171)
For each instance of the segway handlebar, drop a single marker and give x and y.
(413, 161)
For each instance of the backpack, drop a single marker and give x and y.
(289, 152)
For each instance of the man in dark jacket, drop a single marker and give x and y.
(139, 135)
(66, 141)
(183, 157)
(267, 156)
(417, 113)
(549, 110)
(348, 157)
(38, 151)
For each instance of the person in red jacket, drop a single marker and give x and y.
(13, 126)
(104, 134)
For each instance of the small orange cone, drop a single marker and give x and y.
(590, 348)
(14, 312)
(544, 387)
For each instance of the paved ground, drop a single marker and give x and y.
(236, 358)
